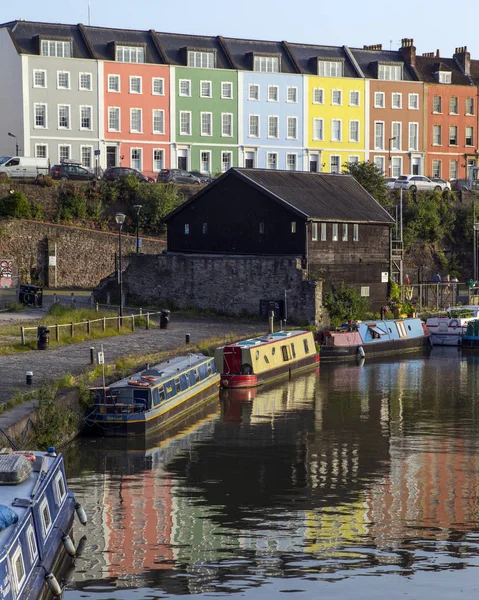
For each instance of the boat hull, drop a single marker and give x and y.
(330, 353)
(446, 339)
(470, 342)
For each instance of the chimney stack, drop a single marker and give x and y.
(438, 54)
(408, 50)
(428, 54)
(463, 59)
(373, 47)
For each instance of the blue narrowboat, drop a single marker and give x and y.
(367, 338)
(471, 338)
(36, 517)
(154, 397)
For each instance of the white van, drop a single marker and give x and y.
(22, 166)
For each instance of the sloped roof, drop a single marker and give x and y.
(173, 43)
(367, 59)
(318, 196)
(308, 54)
(241, 50)
(428, 65)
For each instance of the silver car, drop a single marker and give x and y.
(416, 182)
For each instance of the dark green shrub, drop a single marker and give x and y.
(71, 202)
(15, 205)
(344, 304)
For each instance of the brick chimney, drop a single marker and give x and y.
(463, 59)
(408, 50)
(373, 47)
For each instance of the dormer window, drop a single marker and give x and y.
(130, 54)
(266, 64)
(201, 59)
(330, 68)
(390, 72)
(443, 76)
(56, 48)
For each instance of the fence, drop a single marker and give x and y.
(439, 296)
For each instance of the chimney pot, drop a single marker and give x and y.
(438, 54)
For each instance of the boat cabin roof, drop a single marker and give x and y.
(472, 308)
(269, 338)
(163, 371)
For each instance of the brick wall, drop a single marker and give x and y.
(83, 256)
(225, 284)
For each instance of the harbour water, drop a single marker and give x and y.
(351, 481)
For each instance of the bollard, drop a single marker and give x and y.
(22, 335)
(92, 355)
(147, 326)
(187, 338)
(29, 377)
(132, 322)
(97, 308)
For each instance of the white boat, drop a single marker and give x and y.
(448, 330)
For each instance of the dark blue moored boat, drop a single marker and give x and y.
(154, 397)
(36, 517)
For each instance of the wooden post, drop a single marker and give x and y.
(22, 335)
(104, 323)
(119, 322)
(72, 329)
(57, 332)
(88, 327)
(141, 312)
(147, 326)
(97, 307)
(133, 322)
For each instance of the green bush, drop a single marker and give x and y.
(71, 202)
(344, 304)
(15, 205)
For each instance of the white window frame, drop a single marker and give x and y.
(354, 158)
(413, 99)
(323, 232)
(288, 155)
(456, 112)
(414, 147)
(230, 116)
(381, 146)
(390, 72)
(437, 112)
(396, 143)
(382, 102)
(355, 232)
(344, 232)
(321, 137)
(396, 96)
(202, 132)
(398, 161)
(44, 504)
(80, 87)
(335, 233)
(180, 92)
(162, 160)
(351, 103)
(276, 118)
(230, 160)
(473, 106)
(59, 476)
(35, 126)
(253, 86)
(365, 293)
(266, 64)
(115, 108)
(331, 156)
(444, 77)
(68, 128)
(140, 150)
(18, 554)
(91, 118)
(69, 146)
(270, 89)
(41, 146)
(161, 81)
(275, 154)
(210, 84)
(44, 73)
(61, 87)
(258, 120)
(190, 124)
(439, 143)
(209, 162)
(200, 59)
(55, 45)
(314, 231)
(436, 167)
(136, 78)
(118, 80)
(466, 136)
(161, 130)
(223, 95)
(339, 102)
(453, 172)
(320, 92)
(140, 130)
(456, 128)
(380, 162)
(330, 68)
(32, 543)
(340, 136)
(295, 121)
(130, 54)
(92, 156)
(288, 89)
(351, 138)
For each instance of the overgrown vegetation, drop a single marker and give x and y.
(344, 304)
(370, 177)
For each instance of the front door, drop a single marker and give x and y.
(182, 160)
(314, 163)
(470, 164)
(416, 166)
(249, 160)
(111, 152)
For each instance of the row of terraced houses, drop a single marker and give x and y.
(149, 100)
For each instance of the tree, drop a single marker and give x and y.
(345, 303)
(370, 177)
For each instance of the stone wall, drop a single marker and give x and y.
(83, 256)
(232, 285)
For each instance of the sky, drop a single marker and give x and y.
(431, 23)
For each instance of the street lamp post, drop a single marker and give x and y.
(137, 207)
(16, 143)
(120, 219)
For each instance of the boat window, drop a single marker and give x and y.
(18, 568)
(273, 350)
(32, 543)
(286, 353)
(409, 327)
(293, 350)
(161, 393)
(46, 518)
(401, 329)
(60, 488)
(257, 354)
(209, 368)
(177, 385)
(306, 346)
(266, 359)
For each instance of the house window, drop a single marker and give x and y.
(379, 163)
(396, 100)
(85, 117)
(390, 72)
(437, 104)
(453, 106)
(185, 123)
(136, 158)
(46, 518)
(273, 127)
(187, 229)
(185, 87)
(41, 151)
(318, 129)
(253, 91)
(344, 236)
(135, 85)
(335, 162)
(318, 96)
(469, 106)
(40, 116)
(336, 97)
(436, 168)
(58, 49)
(293, 226)
(453, 135)
(328, 68)
(158, 121)
(206, 123)
(226, 125)
(39, 78)
(379, 99)
(202, 60)
(453, 169)
(266, 64)
(86, 156)
(324, 235)
(355, 232)
(130, 54)
(63, 153)
(292, 126)
(379, 135)
(19, 574)
(291, 162)
(113, 118)
(335, 130)
(335, 236)
(205, 89)
(353, 159)
(226, 90)
(63, 116)
(135, 120)
(113, 83)
(272, 160)
(396, 136)
(469, 136)
(365, 291)
(254, 126)
(444, 76)
(396, 166)
(204, 228)
(205, 161)
(314, 232)
(273, 93)
(292, 94)
(413, 136)
(85, 82)
(413, 102)
(32, 544)
(158, 159)
(353, 98)
(63, 80)
(158, 86)
(226, 161)
(354, 131)
(437, 135)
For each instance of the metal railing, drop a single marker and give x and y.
(439, 296)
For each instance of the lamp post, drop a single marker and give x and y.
(389, 152)
(137, 207)
(120, 219)
(16, 143)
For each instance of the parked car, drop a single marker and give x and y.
(22, 166)
(390, 181)
(416, 182)
(68, 171)
(177, 176)
(458, 185)
(445, 185)
(114, 173)
(201, 177)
